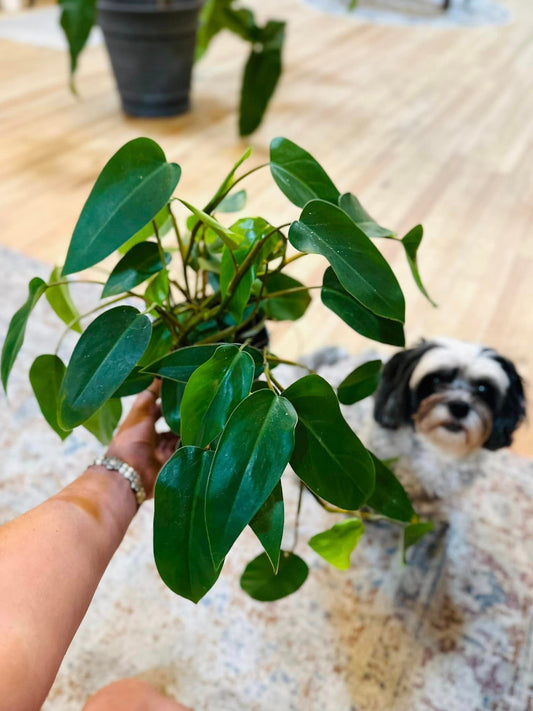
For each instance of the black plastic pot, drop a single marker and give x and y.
(151, 47)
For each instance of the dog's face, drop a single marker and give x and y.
(458, 395)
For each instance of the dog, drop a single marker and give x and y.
(440, 408)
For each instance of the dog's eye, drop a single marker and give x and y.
(481, 388)
(436, 379)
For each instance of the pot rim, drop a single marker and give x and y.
(142, 8)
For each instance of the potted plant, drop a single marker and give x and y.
(152, 45)
(205, 290)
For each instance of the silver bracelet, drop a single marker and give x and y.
(129, 473)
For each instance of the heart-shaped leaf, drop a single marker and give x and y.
(17, 328)
(251, 456)
(352, 207)
(325, 229)
(285, 307)
(104, 356)
(328, 456)
(357, 316)
(337, 543)
(104, 421)
(181, 548)
(140, 263)
(61, 302)
(411, 243)
(298, 175)
(131, 189)
(181, 364)
(46, 375)
(389, 497)
(212, 393)
(268, 523)
(360, 383)
(261, 583)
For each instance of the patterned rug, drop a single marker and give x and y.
(451, 631)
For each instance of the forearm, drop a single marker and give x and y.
(51, 560)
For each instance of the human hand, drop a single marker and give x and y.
(138, 444)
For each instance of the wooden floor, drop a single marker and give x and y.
(424, 125)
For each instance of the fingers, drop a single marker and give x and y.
(146, 402)
(166, 446)
(155, 388)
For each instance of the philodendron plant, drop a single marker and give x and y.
(206, 289)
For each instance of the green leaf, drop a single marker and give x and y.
(103, 358)
(135, 383)
(414, 533)
(158, 289)
(181, 548)
(61, 302)
(104, 421)
(139, 264)
(181, 364)
(251, 456)
(229, 238)
(233, 203)
(241, 294)
(131, 189)
(159, 345)
(337, 543)
(230, 177)
(360, 383)
(211, 21)
(352, 207)
(17, 328)
(171, 395)
(163, 223)
(46, 376)
(261, 75)
(77, 19)
(328, 456)
(267, 525)
(261, 583)
(212, 393)
(411, 243)
(298, 175)
(325, 229)
(285, 307)
(389, 497)
(253, 229)
(357, 316)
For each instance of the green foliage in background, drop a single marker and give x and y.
(204, 285)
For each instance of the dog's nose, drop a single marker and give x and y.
(459, 409)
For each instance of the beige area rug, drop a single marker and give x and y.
(452, 631)
(40, 27)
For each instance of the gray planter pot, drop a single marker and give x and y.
(151, 48)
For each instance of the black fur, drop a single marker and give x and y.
(511, 411)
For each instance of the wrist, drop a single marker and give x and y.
(127, 472)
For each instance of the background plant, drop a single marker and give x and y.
(206, 289)
(261, 72)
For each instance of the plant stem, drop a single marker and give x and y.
(163, 262)
(297, 518)
(295, 364)
(215, 202)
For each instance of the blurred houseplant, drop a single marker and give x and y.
(206, 290)
(152, 47)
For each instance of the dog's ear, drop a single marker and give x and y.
(393, 401)
(512, 410)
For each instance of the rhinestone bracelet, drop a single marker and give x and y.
(129, 473)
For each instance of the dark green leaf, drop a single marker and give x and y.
(181, 548)
(104, 421)
(267, 525)
(414, 533)
(135, 383)
(241, 293)
(171, 395)
(212, 393)
(46, 376)
(77, 19)
(337, 543)
(252, 454)
(159, 345)
(328, 456)
(325, 229)
(233, 203)
(285, 307)
(61, 302)
(357, 316)
(389, 497)
(140, 263)
(261, 583)
(105, 355)
(211, 21)
(163, 223)
(181, 364)
(411, 243)
(17, 328)
(298, 175)
(131, 189)
(360, 383)
(352, 207)
(261, 75)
